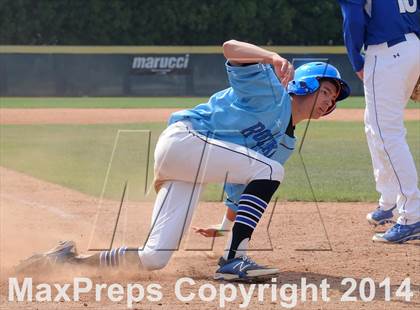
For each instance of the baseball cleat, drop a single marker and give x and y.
(243, 268)
(62, 253)
(399, 234)
(381, 217)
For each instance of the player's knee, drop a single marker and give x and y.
(394, 132)
(155, 260)
(271, 171)
(156, 264)
(278, 172)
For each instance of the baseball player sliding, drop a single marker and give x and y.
(389, 31)
(243, 135)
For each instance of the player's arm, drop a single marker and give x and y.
(219, 229)
(239, 53)
(354, 31)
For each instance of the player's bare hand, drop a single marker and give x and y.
(209, 232)
(283, 68)
(360, 74)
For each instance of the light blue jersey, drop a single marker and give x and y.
(254, 112)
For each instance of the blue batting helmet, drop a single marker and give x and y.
(307, 77)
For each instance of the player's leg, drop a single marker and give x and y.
(172, 214)
(385, 178)
(121, 256)
(253, 202)
(185, 155)
(210, 160)
(65, 252)
(389, 79)
(236, 164)
(192, 159)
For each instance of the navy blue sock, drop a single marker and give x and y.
(252, 204)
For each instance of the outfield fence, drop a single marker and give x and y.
(134, 71)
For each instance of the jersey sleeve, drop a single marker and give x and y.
(251, 82)
(354, 30)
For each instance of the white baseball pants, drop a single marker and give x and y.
(186, 160)
(390, 74)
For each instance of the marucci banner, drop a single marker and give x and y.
(161, 64)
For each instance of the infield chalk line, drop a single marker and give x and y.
(33, 204)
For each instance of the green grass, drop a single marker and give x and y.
(359, 103)
(77, 156)
(141, 102)
(338, 162)
(99, 102)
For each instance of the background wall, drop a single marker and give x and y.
(109, 72)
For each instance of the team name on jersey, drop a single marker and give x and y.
(266, 144)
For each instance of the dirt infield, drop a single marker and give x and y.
(97, 116)
(35, 215)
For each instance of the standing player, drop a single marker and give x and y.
(389, 31)
(242, 135)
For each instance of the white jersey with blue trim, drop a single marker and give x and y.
(254, 112)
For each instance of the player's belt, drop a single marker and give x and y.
(398, 40)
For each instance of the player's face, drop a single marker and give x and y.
(325, 99)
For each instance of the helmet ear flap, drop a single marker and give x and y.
(310, 73)
(304, 86)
